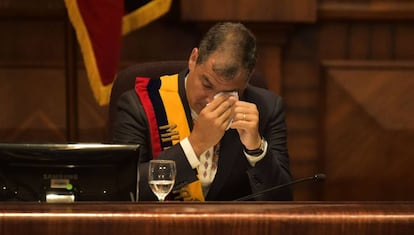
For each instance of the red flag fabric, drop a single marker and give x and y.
(99, 27)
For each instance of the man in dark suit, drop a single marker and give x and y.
(227, 137)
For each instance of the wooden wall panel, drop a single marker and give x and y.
(389, 10)
(332, 40)
(165, 39)
(246, 10)
(368, 120)
(32, 78)
(33, 105)
(92, 121)
(377, 44)
(359, 39)
(26, 43)
(403, 41)
(301, 95)
(383, 46)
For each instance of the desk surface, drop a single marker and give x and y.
(209, 218)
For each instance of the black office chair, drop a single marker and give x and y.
(125, 80)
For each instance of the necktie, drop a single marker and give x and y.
(208, 165)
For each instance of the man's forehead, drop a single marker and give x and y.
(224, 69)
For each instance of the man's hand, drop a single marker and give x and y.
(211, 123)
(246, 121)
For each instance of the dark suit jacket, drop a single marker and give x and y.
(235, 177)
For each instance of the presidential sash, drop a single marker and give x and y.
(167, 120)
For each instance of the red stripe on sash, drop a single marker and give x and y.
(141, 89)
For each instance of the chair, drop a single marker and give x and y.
(125, 80)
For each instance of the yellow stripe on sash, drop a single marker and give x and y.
(176, 117)
(173, 106)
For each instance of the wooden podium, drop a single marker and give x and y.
(228, 218)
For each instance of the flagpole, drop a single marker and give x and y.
(71, 78)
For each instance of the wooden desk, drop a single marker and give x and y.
(208, 218)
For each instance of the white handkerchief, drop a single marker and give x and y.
(231, 93)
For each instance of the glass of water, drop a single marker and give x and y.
(161, 177)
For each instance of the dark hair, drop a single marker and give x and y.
(234, 40)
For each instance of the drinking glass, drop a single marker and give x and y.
(161, 177)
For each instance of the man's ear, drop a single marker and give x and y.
(193, 59)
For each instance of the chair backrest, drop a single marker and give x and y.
(125, 80)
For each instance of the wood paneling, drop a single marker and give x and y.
(366, 10)
(92, 122)
(33, 105)
(247, 10)
(403, 41)
(368, 120)
(367, 51)
(32, 43)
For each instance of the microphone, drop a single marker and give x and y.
(316, 178)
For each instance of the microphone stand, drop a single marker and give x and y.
(316, 178)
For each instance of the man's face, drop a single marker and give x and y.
(203, 83)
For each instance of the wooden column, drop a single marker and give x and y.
(270, 41)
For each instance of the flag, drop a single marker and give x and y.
(99, 27)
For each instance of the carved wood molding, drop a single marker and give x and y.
(395, 10)
(372, 84)
(287, 11)
(368, 64)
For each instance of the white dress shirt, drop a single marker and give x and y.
(196, 161)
